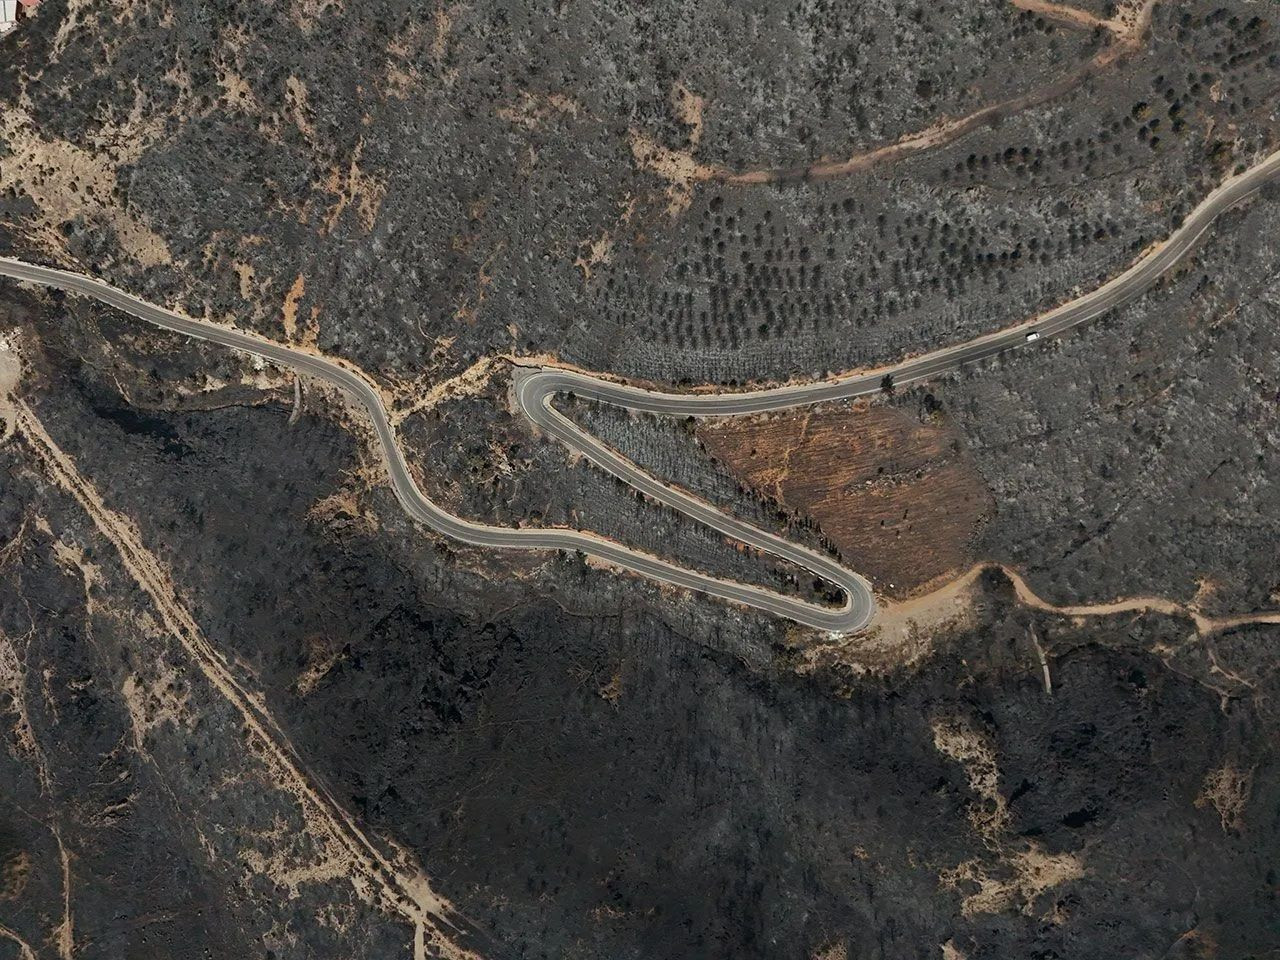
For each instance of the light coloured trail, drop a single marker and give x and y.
(1127, 29)
(535, 388)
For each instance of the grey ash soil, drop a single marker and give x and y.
(133, 798)
(607, 785)
(586, 765)
(696, 804)
(447, 187)
(1164, 420)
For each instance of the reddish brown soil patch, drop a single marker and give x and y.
(899, 498)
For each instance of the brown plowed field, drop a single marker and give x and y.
(899, 498)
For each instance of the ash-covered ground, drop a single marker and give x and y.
(249, 709)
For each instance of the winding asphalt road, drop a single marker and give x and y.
(535, 388)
